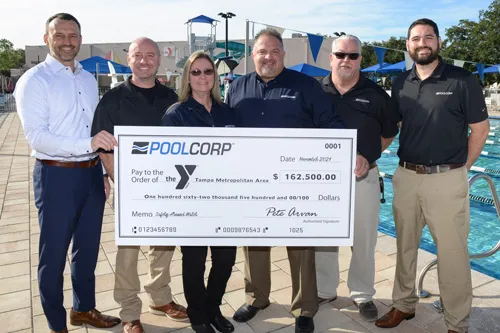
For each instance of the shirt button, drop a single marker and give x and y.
(80, 92)
(262, 113)
(83, 110)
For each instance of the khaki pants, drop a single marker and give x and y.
(362, 267)
(440, 201)
(303, 273)
(128, 286)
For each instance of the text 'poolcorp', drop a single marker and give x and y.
(181, 148)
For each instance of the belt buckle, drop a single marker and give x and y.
(423, 169)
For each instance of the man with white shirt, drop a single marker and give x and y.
(56, 101)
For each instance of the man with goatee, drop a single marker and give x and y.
(437, 104)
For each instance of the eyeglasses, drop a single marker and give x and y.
(342, 55)
(207, 72)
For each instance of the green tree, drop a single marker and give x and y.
(476, 41)
(488, 47)
(391, 56)
(9, 57)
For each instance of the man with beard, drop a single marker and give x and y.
(140, 101)
(437, 103)
(276, 97)
(56, 100)
(362, 105)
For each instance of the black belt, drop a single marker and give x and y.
(63, 164)
(373, 165)
(429, 169)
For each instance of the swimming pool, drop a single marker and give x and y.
(485, 225)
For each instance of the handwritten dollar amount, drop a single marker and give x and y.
(307, 177)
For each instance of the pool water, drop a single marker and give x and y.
(485, 224)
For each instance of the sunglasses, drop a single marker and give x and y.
(342, 55)
(207, 72)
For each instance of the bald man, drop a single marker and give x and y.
(140, 101)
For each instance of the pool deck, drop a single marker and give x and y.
(20, 309)
(494, 114)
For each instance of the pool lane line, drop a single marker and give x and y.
(483, 153)
(478, 198)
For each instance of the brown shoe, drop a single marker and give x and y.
(133, 326)
(61, 331)
(172, 310)
(93, 318)
(393, 318)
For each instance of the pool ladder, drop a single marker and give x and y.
(421, 292)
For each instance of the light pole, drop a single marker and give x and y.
(227, 16)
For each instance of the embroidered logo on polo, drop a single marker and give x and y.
(288, 96)
(360, 100)
(140, 148)
(185, 171)
(444, 93)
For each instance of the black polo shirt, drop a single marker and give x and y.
(435, 114)
(291, 100)
(193, 114)
(127, 105)
(367, 108)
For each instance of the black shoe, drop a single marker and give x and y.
(221, 324)
(368, 311)
(304, 325)
(203, 328)
(246, 312)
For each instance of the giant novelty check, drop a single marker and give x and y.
(234, 186)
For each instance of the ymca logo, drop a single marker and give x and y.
(185, 171)
(140, 147)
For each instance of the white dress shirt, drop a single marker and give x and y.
(56, 108)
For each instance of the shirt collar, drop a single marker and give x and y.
(327, 82)
(191, 102)
(437, 73)
(56, 66)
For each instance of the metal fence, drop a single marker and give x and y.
(7, 102)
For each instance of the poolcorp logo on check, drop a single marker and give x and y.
(180, 148)
(140, 147)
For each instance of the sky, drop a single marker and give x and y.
(107, 21)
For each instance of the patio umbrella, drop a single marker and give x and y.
(225, 65)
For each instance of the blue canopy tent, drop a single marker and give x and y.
(376, 68)
(310, 70)
(202, 19)
(96, 63)
(491, 69)
(397, 67)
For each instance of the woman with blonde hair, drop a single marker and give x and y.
(200, 105)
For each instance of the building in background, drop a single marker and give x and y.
(297, 51)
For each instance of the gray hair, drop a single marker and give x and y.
(346, 37)
(270, 32)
